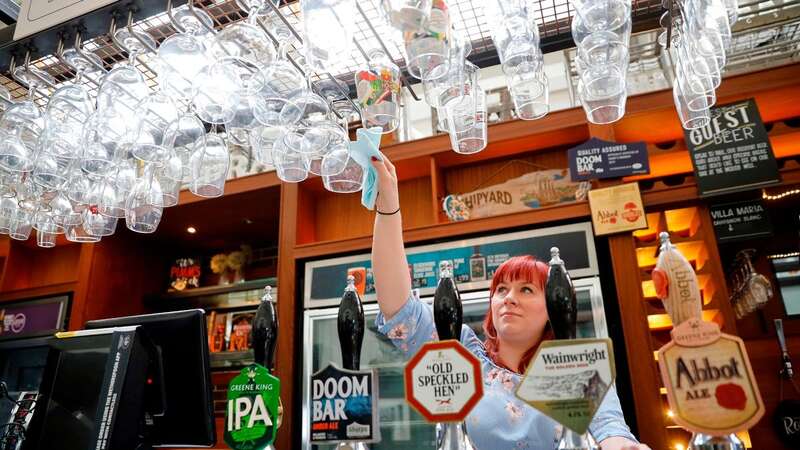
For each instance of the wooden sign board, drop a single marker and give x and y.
(616, 209)
(710, 384)
(443, 381)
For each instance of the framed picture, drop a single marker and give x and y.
(787, 272)
(240, 324)
(217, 331)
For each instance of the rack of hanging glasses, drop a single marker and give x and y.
(107, 117)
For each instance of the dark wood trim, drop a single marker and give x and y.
(287, 367)
(39, 291)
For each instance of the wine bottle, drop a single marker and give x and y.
(447, 308)
(350, 325)
(265, 331)
(560, 298)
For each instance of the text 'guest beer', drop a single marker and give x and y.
(710, 384)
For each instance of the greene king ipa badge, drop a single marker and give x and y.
(252, 413)
(568, 380)
(710, 384)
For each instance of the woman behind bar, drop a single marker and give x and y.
(515, 325)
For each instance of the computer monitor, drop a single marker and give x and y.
(187, 419)
(92, 391)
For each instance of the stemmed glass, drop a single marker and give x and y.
(378, 90)
(428, 49)
(22, 124)
(183, 55)
(209, 167)
(327, 34)
(144, 204)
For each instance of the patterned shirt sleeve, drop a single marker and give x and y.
(609, 421)
(409, 328)
(413, 326)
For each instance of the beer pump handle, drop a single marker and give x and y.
(350, 325)
(560, 298)
(447, 308)
(786, 369)
(676, 283)
(265, 331)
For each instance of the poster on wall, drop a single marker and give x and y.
(33, 318)
(740, 220)
(473, 260)
(732, 153)
(597, 158)
(616, 209)
(530, 191)
(185, 273)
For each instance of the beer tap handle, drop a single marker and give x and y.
(265, 331)
(560, 298)
(676, 283)
(447, 308)
(350, 325)
(786, 367)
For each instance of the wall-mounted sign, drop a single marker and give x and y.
(443, 381)
(344, 406)
(39, 15)
(732, 153)
(568, 380)
(530, 191)
(251, 419)
(185, 273)
(474, 262)
(740, 220)
(597, 158)
(616, 209)
(33, 318)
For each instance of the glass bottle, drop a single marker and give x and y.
(447, 307)
(265, 331)
(477, 265)
(350, 325)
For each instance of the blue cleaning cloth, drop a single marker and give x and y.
(366, 146)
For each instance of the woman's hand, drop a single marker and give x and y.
(388, 196)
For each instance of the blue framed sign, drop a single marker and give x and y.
(474, 262)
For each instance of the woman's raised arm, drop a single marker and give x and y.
(389, 263)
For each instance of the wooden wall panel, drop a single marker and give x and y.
(468, 178)
(30, 266)
(122, 273)
(290, 315)
(341, 216)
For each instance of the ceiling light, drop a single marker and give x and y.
(191, 230)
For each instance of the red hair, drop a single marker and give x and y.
(525, 268)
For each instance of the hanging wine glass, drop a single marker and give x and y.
(378, 90)
(22, 123)
(209, 167)
(184, 136)
(283, 83)
(328, 35)
(184, 54)
(143, 207)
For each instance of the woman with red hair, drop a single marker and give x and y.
(515, 325)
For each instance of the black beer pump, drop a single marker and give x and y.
(562, 311)
(448, 316)
(350, 325)
(264, 334)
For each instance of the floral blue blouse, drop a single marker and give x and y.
(500, 421)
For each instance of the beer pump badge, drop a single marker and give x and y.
(344, 406)
(710, 384)
(252, 411)
(443, 381)
(568, 380)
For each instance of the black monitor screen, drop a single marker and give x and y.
(21, 366)
(68, 422)
(188, 416)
